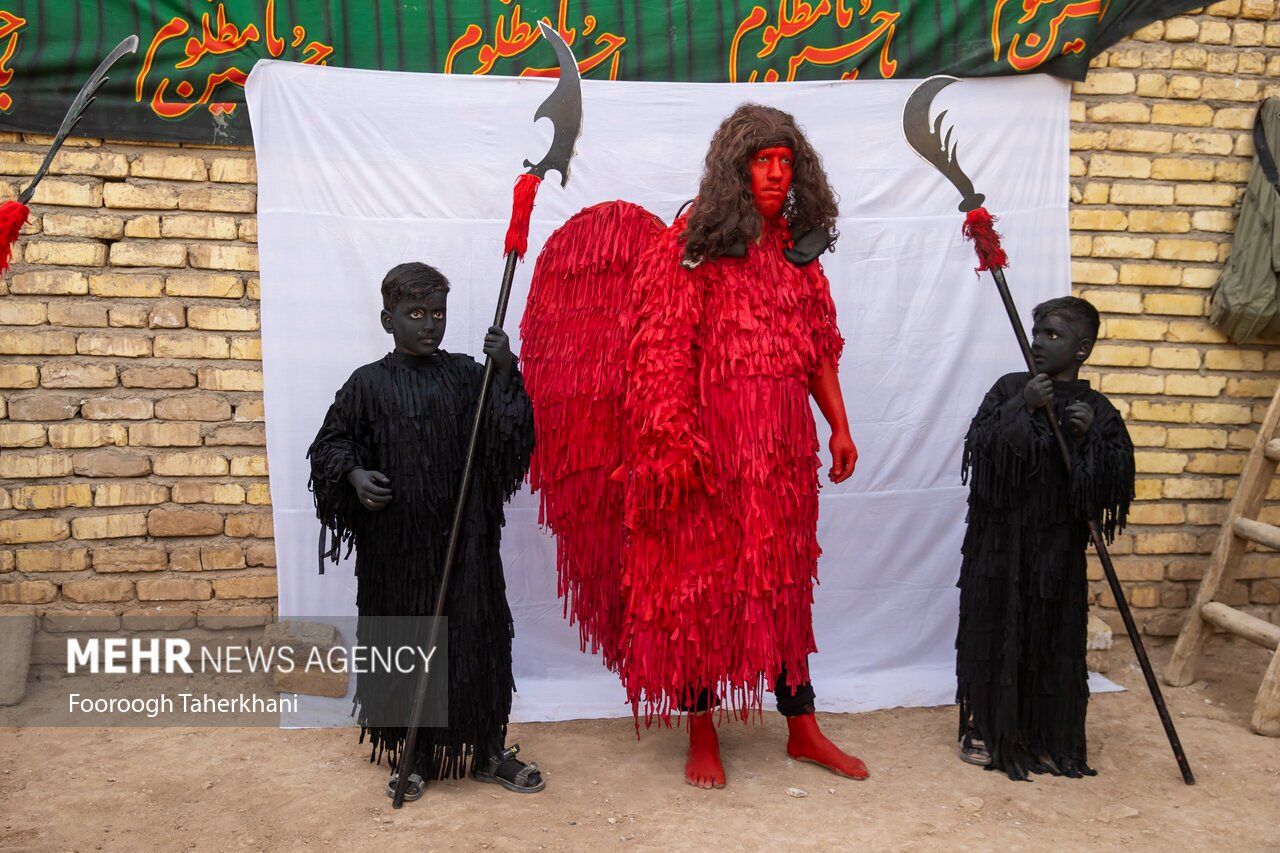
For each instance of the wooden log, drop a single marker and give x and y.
(1266, 708)
(1258, 531)
(1273, 450)
(1244, 625)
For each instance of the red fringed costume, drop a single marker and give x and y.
(677, 457)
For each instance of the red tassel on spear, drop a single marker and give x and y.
(564, 108)
(928, 141)
(13, 214)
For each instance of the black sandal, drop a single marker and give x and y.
(519, 777)
(412, 791)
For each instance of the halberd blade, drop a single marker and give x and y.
(563, 107)
(926, 139)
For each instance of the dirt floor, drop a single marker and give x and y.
(264, 789)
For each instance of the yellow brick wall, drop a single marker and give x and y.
(134, 489)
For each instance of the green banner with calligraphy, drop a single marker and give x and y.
(186, 82)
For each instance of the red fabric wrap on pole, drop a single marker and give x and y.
(13, 215)
(979, 226)
(521, 212)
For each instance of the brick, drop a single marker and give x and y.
(213, 285)
(1128, 112)
(43, 407)
(1147, 436)
(109, 526)
(1120, 356)
(184, 522)
(238, 170)
(1123, 247)
(1182, 115)
(129, 559)
(1098, 220)
(129, 494)
(1184, 86)
(1199, 277)
(1145, 410)
(194, 407)
(220, 379)
(116, 409)
(83, 225)
(87, 435)
(1146, 141)
(68, 192)
(35, 561)
(1088, 272)
(19, 531)
(173, 167)
(248, 230)
(36, 343)
(236, 617)
(258, 494)
(1220, 221)
(22, 435)
(1165, 543)
(125, 284)
(1115, 301)
(23, 313)
(34, 465)
(1196, 438)
(165, 435)
(1263, 10)
(103, 164)
(1141, 194)
(77, 314)
(1200, 142)
(1132, 383)
(222, 319)
(252, 524)
(1085, 141)
(218, 199)
(209, 493)
(137, 196)
(129, 316)
(19, 376)
(1107, 83)
(167, 315)
(1170, 303)
(174, 589)
(146, 226)
(1251, 387)
(1159, 221)
(110, 463)
(253, 288)
(28, 592)
(1135, 330)
(249, 466)
(194, 464)
(252, 586)
(1227, 89)
(1117, 166)
(157, 377)
(250, 410)
(120, 346)
(238, 436)
(1221, 63)
(1227, 359)
(222, 557)
(261, 555)
(98, 590)
(246, 349)
(197, 226)
(1169, 169)
(1198, 332)
(1186, 385)
(159, 618)
(148, 254)
(67, 375)
(1181, 29)
(191, 346)
(220, 256)
(1221, 413)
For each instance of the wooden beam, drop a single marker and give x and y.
(1258, 531)
(1244, 625)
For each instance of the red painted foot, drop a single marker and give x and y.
(703, 768)
(808, 743)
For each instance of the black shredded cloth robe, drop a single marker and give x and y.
(410, 417)
(1020, 649)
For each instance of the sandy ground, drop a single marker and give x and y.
(265, 789)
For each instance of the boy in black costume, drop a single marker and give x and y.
(1022, 685)
(385, 470)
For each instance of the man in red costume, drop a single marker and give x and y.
(704, 595)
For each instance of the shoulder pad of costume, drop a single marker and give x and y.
(808, 246)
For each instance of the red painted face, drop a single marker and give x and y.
(770, 170)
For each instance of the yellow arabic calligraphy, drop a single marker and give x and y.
(513, 36)
(10, 26)
(217, 37)
(795, 17)
(1042, 46)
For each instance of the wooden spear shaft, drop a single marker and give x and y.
(1100, 544)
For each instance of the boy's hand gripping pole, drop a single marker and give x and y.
(564, 108)
(927, 140)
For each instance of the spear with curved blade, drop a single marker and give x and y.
(13, 214)
(927, 140)
(564, 107)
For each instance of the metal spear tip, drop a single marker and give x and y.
(563, 107)
(927, 140)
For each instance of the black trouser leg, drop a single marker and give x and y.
(793, 702)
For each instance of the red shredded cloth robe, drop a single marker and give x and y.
(673, 413)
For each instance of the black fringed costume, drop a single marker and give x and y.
(1020, 663)
(410, 417)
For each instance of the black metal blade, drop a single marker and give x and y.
(926, 139)
(563, 107)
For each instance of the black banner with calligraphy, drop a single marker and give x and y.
(186, 83)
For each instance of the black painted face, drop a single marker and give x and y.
(417, 324)
(1058, 348)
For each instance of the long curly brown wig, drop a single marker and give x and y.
(724, 212)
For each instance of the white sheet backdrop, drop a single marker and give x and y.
(360, 170)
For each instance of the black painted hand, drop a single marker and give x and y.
(498, 348)
(1038, 392)
(1079, 418)
(372, 487)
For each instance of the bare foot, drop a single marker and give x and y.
(703, 768)
(808, 743)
